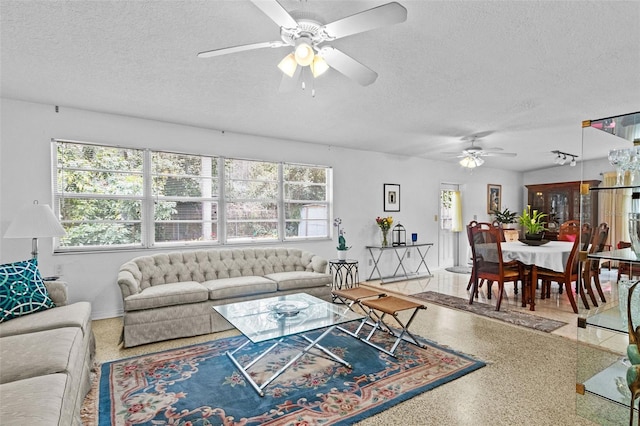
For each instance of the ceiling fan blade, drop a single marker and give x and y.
(348, 66)
(241, 48)
(381, 16)
(475, 136)
(498, 154)
(276, 12)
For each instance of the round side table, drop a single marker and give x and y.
(344, 273)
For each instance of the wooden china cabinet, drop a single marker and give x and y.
(561, 202)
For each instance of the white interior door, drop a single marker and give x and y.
(447, 240)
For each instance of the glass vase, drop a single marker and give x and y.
(383, 240)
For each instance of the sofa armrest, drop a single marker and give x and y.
(57, 291)
(319, 264)
(128, 283)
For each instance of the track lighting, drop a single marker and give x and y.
(561, 158)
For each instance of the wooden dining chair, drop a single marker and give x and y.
(569, 230)
(486, 248)
(495, 224)
(592, 266)
(571, 273)
(626, 268)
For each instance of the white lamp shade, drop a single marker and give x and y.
(303, 53)
(288, 65)
(471, 162)
(34, 221)
(319, 66)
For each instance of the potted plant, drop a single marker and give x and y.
(342, 242)
(532, 223)
(505, 217)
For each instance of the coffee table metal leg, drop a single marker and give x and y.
(312, 343)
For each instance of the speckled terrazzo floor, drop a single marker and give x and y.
(530, 378)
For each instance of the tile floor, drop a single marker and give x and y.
(557, 307)
(530, 376)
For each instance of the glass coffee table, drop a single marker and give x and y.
(277, 318)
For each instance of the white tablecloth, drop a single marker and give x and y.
(552, 255)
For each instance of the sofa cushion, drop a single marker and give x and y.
(299, 279)
(75, 315)
(226, 288)
(22, 291)
(46, 352)
(42, 400)
(166, 295)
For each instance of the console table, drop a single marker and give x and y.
(401, 252)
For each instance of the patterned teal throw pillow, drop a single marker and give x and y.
(22, 291)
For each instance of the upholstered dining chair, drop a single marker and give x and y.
(592, 266)
(571, 273)
(486, 248)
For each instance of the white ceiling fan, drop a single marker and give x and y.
(471, 157)
(307, 34)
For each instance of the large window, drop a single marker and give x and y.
(110, 197)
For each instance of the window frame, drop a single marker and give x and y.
(148, 199)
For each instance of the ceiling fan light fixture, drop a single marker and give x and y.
(471, 162)
(288, 65)
(319, 66)
(303, 52)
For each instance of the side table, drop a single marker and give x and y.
(344, 273)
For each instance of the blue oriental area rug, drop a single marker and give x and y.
(198, 385)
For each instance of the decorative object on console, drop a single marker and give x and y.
(414, 238)
(384, 223)
(391, 197)
(36, 220)
(342, 242)
(399, 235)
(22, 290)
(532, 223)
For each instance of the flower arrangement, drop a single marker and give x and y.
(532, 221)
(384, 222)
(342, 242)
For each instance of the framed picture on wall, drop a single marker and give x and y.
(494, 198)
(391, 197)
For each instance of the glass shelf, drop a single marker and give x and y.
(624, 255)
(611, 383)
(608, 318)
(602, 369)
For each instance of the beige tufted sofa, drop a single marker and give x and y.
(170, 295)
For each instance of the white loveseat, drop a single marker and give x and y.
(170, 295)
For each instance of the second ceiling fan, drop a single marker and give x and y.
(471, 157)
(308, 35)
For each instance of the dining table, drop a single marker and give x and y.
(533, 255)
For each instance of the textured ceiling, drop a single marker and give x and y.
(528, 71)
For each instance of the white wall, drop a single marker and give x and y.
(25, 175)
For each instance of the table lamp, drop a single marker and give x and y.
(34, 221)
